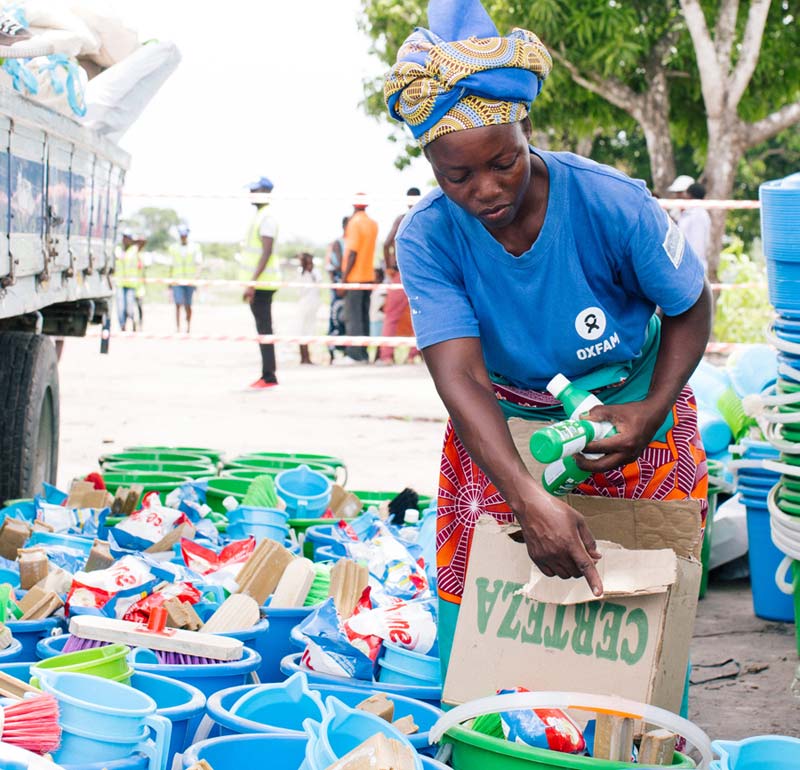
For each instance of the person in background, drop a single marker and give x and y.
(377, 305)
(129, 275)
(694, 222)
(397, 320)
(309, 301)
(260, 263)
(186, 260)
(333, 265)
(361, 235)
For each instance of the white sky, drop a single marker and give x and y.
(265, 87)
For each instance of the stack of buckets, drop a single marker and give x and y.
(780, 212)
(767, 572)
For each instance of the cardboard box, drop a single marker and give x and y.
(518, 627)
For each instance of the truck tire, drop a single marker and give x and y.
(28, 414)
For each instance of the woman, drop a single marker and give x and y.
(525, 264)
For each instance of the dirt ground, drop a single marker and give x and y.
(387, 423)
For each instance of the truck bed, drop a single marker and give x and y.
(60, 195)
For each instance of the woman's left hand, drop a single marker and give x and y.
(636, 424)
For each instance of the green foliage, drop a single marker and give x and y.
(742, 313)
(156, 225)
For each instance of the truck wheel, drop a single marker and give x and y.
(28, 414)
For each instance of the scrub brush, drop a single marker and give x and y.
(32, 724)
(261, 493)
(170, 645)
(398, 506)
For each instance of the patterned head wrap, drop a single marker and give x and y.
(462, 74)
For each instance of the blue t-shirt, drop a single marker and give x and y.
(579, 298)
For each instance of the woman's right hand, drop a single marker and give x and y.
(558, 539)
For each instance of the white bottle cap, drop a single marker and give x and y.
(229, 503)
(411, 516)
(557, 384)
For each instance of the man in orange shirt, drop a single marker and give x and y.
(358, 267)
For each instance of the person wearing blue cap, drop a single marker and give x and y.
(186, 259)
(525, 264)
(259, 263)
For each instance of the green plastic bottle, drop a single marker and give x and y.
(563, 475)
(566, 438)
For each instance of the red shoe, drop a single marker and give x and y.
(262, 384)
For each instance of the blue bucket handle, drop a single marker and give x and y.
(162, 727)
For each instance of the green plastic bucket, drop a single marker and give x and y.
(213, 455)
(273, 466)
(475, 751)
(370, 498)
(193, 470)
(305, 458)
(244, 473)
(219, 489)
(9, 503)
(155, 457)
(163, 483)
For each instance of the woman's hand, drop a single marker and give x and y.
(636, 424)
(558, 539)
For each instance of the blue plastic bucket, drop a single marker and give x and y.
(277, 643)
(427, 694)
(207, 678)
(256, 638)
(305, 492)
(236, 752)
(342, 730)
(242, 530)
(269, 708)
(332, 552)
(318, 535)
(101, 720)
(51, 646)
(179, 702)
(29, 632)
(765, 560)
(400, 666)
(12, 653)
(775, 752)
(135, 762)
(780, 212)
(714, 431)
(250, 515)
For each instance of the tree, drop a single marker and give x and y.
(155, 224)
(683, 71)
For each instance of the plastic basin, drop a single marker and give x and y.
(237, 752)
(108, 662)
(427, 694)
(193, 470)
(475, 751)
(208, 678)
(29, 632)
(214, 456)
(250, 515)
(163, 483)
(306, 458)
(219, 489)
(401, 666)
(775, 752)
(272, 466)
(163, 456)
(241, 530)
(12, 653)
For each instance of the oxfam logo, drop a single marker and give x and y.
(591, 323)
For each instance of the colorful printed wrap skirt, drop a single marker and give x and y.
(670, 469)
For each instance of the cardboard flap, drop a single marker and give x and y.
(623, 572)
